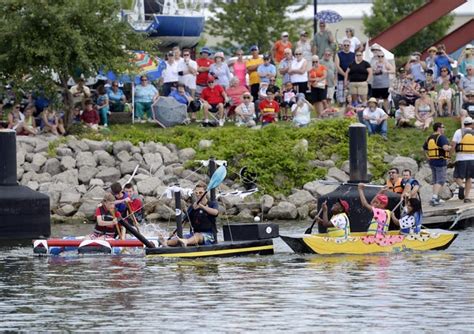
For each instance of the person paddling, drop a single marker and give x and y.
(106, 219)
(381, 219)
(338, 225)
(410, 222)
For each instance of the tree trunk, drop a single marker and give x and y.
(68, 103)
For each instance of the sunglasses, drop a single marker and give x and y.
(444, 70)
(114, 85)
(284, 36)
(247, 97)
(358, 55)
(346, 45)
(422, 91)
(298, 54)
(17, 107)
(392, 172)
(144, 79)
(199, 192)
(186, 55)
(210, 82)
(380, 56)
(315, 61)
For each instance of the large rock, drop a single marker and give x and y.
(41, 147)
(63, 151)
(424, 174)
(186, 154)
(85, 159)
(153, 160)
(123, 156)
(405, 163)
(96, 182)
(38, 161)
(69, 197)
(109, 174)
(148, 186)
(87, 173)
(78, 145)
(68, 177)
(266, 203)
(66, 210)
(127, 167)
(164, 212)
(88, 208)
(52, 166)
(95, 145)
(301, 197)
(122, 146)
(104, 159)
(33, 185)
(95, 193)
(317, 189)
(303, 211)
(284, 210)
(54, 192)
(20, 156)
(41, 178)
(338, 174)
(68, 162)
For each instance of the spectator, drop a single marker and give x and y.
(327, 62)
(317, 80)
(275, 89)
(285, 65)
(187, 71)
(252, 65)
(245, 111)
(239, 69)
(103, 106)
(405, 114)
(183, 97)
(463, 145)
(266, 71)
(305, 46)
(437, 150)
(288, 99)
(203, 63)
(430, 61)
(375, 119)
(466, 58)
(424, 111)
(170, 74)
(269, 109)
(298, 72)
(213, 97)
(117, 98)
(29, 123)
(445, 74)
(220, 71)
(394, 181)
(145, 96)
(90, 116)
(356, 77)
(468, 107)
(50, 122)
(430, 83)
(381, 80)
(397, 87)
(80, 92)
(467, 83)
(343, 59)
(445, 97)
(442, 59)
(16, 119)
(234, 92)
(417, 68)
(410, 90)
(278, 49)
(323, 41)
(301, 111)
(355, 43)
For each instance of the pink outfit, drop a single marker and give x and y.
(240, 70)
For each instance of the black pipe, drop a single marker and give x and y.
(315, 20)
(136, 234)
(358, 153)
(8, 158)
(177, 201)
(212, 169)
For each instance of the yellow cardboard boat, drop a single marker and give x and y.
(361, 243)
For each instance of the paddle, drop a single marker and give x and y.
(135, 223)
(310, 229)
(216, 179)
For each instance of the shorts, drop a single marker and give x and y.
(330, 93)
(318, 94)
(438, 174)
(464, 169)
(285, 104)
(208, 237)
(359, 88)
(380, 93)
(214, 108)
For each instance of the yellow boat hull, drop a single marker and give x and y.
(361, 243)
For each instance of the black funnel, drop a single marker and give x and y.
(24, 213)
(358, 215)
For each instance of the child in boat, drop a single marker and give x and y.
(381, 219)
(136, 203)
(410, 222)
(120, 198)
(106, 218)
(202, 217)
(338, 225)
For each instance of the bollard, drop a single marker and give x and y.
(8, 158)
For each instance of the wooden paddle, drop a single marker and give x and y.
(117, 226)
(309, 230)
(134, 219)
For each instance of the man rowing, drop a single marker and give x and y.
(338, 225)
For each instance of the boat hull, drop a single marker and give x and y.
(222, 249)
(360, 243)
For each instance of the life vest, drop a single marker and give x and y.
(410, 224)
(379, 223)
(466, 145)
(105, 230)
(395, 187)
(433, 150)
(336, 231)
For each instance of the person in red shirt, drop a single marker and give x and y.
(213, 98)
(136, 203)
(203, 63)
(90, 116)
(106, 219)
(269, 109)
(279, 47)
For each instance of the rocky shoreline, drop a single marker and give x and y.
(77, 173)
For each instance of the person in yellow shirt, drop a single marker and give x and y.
(252, 65)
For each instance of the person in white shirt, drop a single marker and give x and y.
(375, 119)
(187, 71)
(355, 42)
(301, 111)
(463, 145)
(170, 74)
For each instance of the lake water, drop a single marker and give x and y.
(405, 292)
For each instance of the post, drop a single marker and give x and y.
(177, 201)
(315, 20)
(212, 169)
(8, 159)
(358, 153)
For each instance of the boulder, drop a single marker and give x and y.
(338, 174)
(424, 174)
(301, 197)
(63, 151)
(405, 163)
(95, 145)
(121, 146)
(105, 159)
(52, 166)
(345, 167)
(109, 174)
(88, 208)
(85, 159)
(20, 156)
(149, 186)
(78, 145)
(69, 177)
(303, 211)
(66, 210)
(19, 173)
(41, 178)
(283, 211)
(41, 146)
(266, 203)
(69, 197)
(33, 185)
(123, 156)
(317, 189)
(96, 182)
(95, 193)
(153, 160)
(68, 162)
(54, 192)
(38, 161)
(245, 215)
(138, 157)
(127, 167)
(86, 174)
(186, 154)
(164, 212)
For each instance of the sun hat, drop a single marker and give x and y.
(284, 34)
(470, 93)
(433, 48)
(372, 99)
(344, 204)
(205, 49)
(219, 54)
(375, 46)
(468, 121)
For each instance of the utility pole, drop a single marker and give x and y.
(315, 20)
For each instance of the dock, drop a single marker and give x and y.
(451, 214)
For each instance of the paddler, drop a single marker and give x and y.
(381, 216)
(338, 225)
(410, 222)
(106, 219)
(202, 217)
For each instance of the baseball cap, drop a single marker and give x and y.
(468, 121)
(375, 46)
(284, 34)
(253, 48)
(469, 46)
(345, 205)
(205, 49)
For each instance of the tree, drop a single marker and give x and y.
(387, 12)
(46, 39)
(243, 23)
